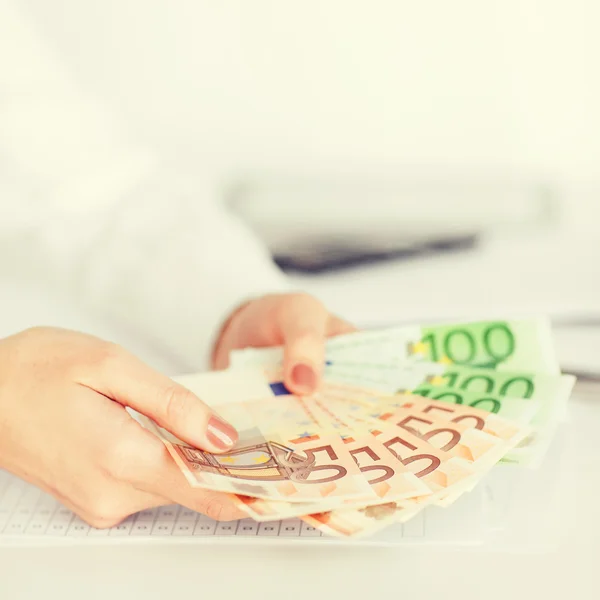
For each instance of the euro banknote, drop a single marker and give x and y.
(509, 345)
(292, 465)
(481, 387)
(404, 418)
(439, 470)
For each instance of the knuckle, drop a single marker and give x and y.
(219, 508)
(306, 344)
(98, 522)
(98, 357)
(307, 301)
(104, 512)
(107, 353)
(178, 403)
(120, 456)
(301, 306)
(22, 342)
(230, 513)
(155, 452)
(35, 331)
(306, 336)
(132, 454)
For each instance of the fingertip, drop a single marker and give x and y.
(221, 435)
(304, 378)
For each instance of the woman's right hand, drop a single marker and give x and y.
(64, 427)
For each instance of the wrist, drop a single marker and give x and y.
(5, 369)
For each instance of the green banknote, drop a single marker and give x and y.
(511, 345)
(524, 345)
(478, 387)
(406, 378)
(517, 410)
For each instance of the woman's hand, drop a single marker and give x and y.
(64, 427)
(299, 322)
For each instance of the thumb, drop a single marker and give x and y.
(303, 324)
(127, 380)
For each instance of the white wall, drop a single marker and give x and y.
(266, 84)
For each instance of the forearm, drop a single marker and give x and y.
(89, 210)
(175, 266)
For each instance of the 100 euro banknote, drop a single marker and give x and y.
(523, 344)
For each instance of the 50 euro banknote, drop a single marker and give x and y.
(440, 471)
(388, 479)
(391, 481)
(477, 436)
(500, 391)
(271, 464)
(467, 441)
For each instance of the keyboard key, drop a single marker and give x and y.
(78, 528)
(142, 528)
(226, 528)
(269, 529)
(307, 530)
(37, 527)
(205, 527)
(183, 528)
(162, 528)
(123, 528)
(146, 515)
(11, 497)
(168, 513)
(15, 527)
(187, 515)
(64, 515)
(290, 528)
(58, 528)
(247, 527)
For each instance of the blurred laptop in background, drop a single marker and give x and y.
(384, 251)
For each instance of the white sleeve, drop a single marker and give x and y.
(84, 208)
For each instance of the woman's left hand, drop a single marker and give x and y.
(298, 322)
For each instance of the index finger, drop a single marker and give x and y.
(122, 377)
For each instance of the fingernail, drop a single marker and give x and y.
(220, 434)
(304, 376)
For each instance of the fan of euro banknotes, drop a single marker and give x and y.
(406, 418)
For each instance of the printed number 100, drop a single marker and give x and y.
(461, 347)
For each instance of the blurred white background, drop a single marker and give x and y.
(501, 92)
(240, 86)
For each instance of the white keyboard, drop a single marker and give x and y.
(31, 517)
(512, 509)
